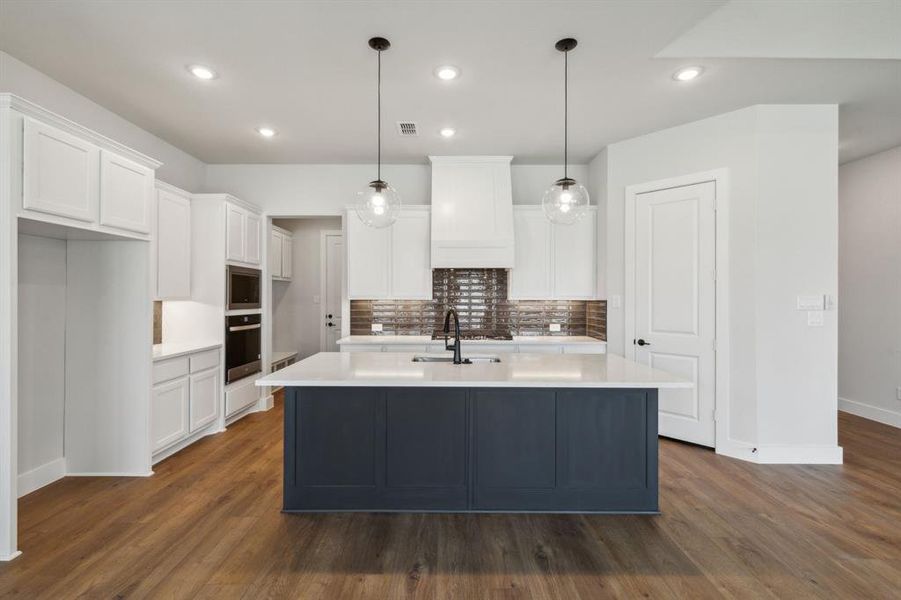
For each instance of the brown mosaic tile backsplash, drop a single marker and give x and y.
(480, 298)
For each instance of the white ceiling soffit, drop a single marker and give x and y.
(825, 29)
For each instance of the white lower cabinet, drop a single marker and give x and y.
(169, 413)
(241, 395)
(204, 398)
(187, 397)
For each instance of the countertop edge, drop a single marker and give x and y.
(184, 349)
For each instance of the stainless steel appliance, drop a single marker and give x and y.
(244, 285)
(242, 346)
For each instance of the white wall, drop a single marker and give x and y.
(296, 321)
(41, 351)
(320, 190)
(179, 168)
(869, 315)
(782, 163)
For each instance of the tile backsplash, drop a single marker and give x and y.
(157, 322)
(480, 298)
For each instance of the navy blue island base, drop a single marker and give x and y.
(453, 449)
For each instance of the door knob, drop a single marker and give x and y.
(641, 342)
(330, 324)
(329, 315)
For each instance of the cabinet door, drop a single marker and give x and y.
(234, 233)
(173, 247)
(575, 259)
(411, 267)
(61, 173)
(530, 277)
(275, 254)
(169, 413)
(126, 193)
(368, 260)
(204, 398)
(287, 257)
(252, 227)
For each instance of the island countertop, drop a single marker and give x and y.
(523, 370)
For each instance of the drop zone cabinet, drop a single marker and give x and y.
(482, 449)
(68, 175)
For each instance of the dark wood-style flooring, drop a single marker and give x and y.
(208, 525)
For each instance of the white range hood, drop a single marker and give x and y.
(472, 212)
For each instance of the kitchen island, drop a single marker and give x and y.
(533, 432)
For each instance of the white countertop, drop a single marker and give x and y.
(171, 350)
(384, 340)
(396, 369)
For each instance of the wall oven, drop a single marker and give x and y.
(243, 288)
(242, 346)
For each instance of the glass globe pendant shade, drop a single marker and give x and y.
(377, 205)
(565, 202)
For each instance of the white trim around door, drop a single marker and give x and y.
(323, 286)
(720, 178)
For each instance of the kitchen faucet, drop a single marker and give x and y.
(458, 359)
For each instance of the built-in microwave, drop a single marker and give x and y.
(243, 287)
(242, 346)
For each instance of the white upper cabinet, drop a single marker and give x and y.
(392, 262)
(472, 212)
(554, 261)
(368, 259)
(530, 277)
(126, 193)
(252, 229)
(172, 245)
(61, 173)
(287, 257)
(234, 233)
(411, 270)
(275, 254)
(576, 259)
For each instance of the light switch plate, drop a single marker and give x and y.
(376, 327)
(554, 327)
(813, 302)
(815, 318)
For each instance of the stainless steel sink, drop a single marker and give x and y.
(449, 359)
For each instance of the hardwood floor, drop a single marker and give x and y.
(208, 525)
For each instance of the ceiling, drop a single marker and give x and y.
(305, 69)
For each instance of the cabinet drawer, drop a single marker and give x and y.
(204, 360)
(164, 370)
(239, 398)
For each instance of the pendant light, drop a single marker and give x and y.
(378, 204)
(566, 201)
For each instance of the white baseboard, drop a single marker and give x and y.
(111, 474)
(873, 413)
(266, 403)
(783, 455)
(41, 476)
(9, 557)
(165, 453)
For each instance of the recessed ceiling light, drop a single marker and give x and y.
(202, 72)
(687, 73)
(266, 132)
(448, 132)
(447, 72)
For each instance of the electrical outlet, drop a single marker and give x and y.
(376, 327)
(554, 327)
(815, 318)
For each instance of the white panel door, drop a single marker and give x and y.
(675, 296)
(205, 399)
(287, 257)
(234, 233)
(576, 258)
(530, 277)
(169, 413)
(368, 260)
(173, 247)
(333, 273)
(252, 227)
(275, 254)
(411, 265)
(126, 193)
(61, 173)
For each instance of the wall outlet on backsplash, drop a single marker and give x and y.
(554, 327)
(376, 328)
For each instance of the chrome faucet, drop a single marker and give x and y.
(458, 358)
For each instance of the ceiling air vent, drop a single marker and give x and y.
(406, 128)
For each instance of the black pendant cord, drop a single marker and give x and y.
(565, 113)
(379, 167)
